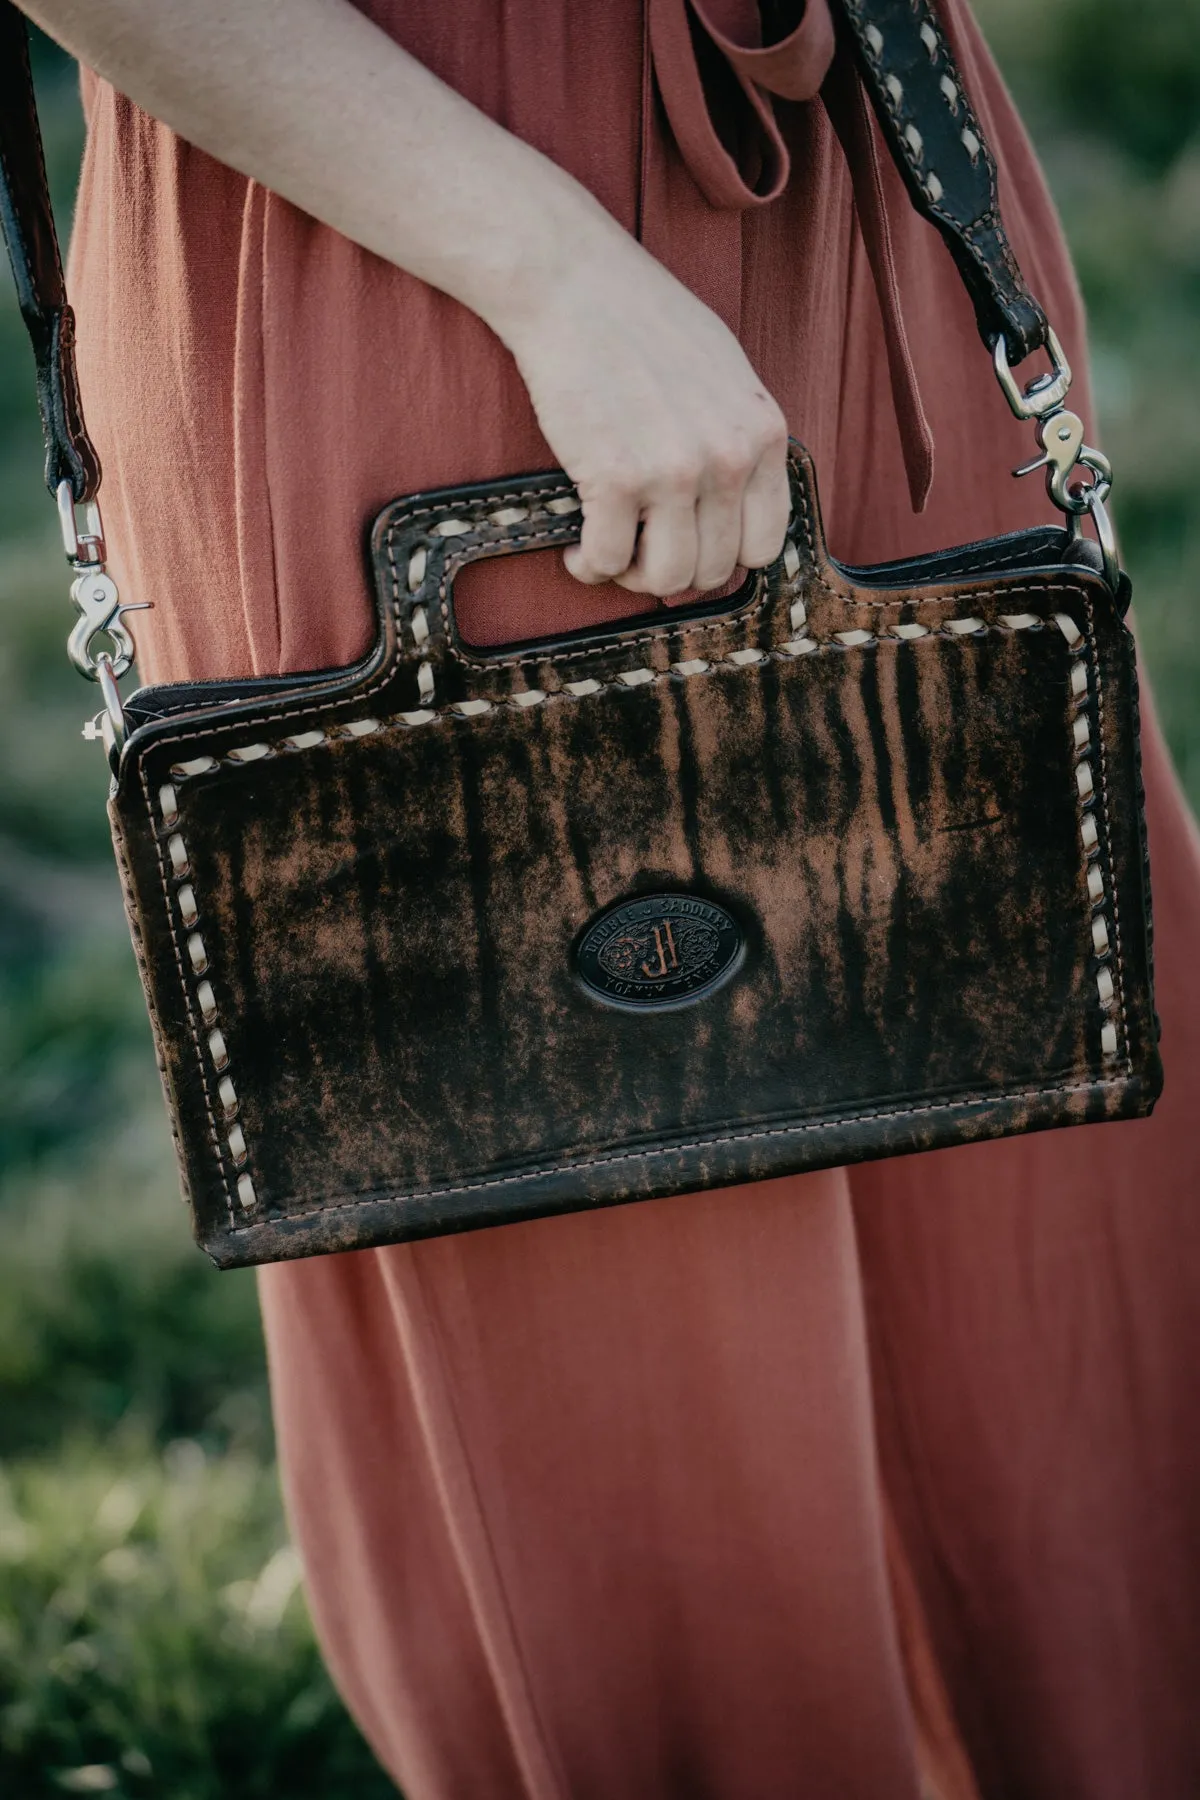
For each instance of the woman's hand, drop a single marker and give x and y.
(648, 401)
(645, 397)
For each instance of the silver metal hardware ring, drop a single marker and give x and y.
(1106, 537)
(1046, 393)
(81, 545)
(113, 727)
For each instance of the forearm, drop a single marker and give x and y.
(642, 393)
(311, 99)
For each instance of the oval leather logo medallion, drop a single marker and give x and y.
(659, 950)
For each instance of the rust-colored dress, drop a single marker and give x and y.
(863, 1485)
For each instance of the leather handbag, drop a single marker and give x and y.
(848, 863)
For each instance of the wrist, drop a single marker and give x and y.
(562, 244)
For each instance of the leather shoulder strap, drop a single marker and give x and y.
(908, 68)
(28, 224)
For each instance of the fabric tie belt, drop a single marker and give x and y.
(718, 82)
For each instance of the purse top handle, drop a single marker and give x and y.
(907, 66)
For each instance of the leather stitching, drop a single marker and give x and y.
(555, 535)
(951, 570)
(1116, 906)
(937, 635)
(879, 61)
(702, 1143)
(187, 997)
(309, 703)
(989, 219)
(139, 952)
(422, 715)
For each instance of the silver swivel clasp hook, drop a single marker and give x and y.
(93, 590)
(101, 610)
(1063, 451)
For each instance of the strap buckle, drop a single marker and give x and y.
(1046, 393)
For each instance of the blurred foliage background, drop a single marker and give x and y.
(153, 1639)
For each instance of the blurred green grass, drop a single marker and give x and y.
(152, 1640)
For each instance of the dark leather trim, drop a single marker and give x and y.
(720, 1159)
(923, 107)
(28, 224)
(178, 699)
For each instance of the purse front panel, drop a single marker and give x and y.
(917, 813)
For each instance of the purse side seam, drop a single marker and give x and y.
(180, 869)
(1116, 904)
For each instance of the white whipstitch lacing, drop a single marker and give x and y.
(522, 699)
(212, 1046)
(1089, 833)
(954, 97)
(210, 1039)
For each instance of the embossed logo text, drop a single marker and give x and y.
(659, 950)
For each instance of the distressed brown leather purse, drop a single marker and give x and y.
(849, 863)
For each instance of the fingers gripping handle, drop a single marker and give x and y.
(420, 545)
